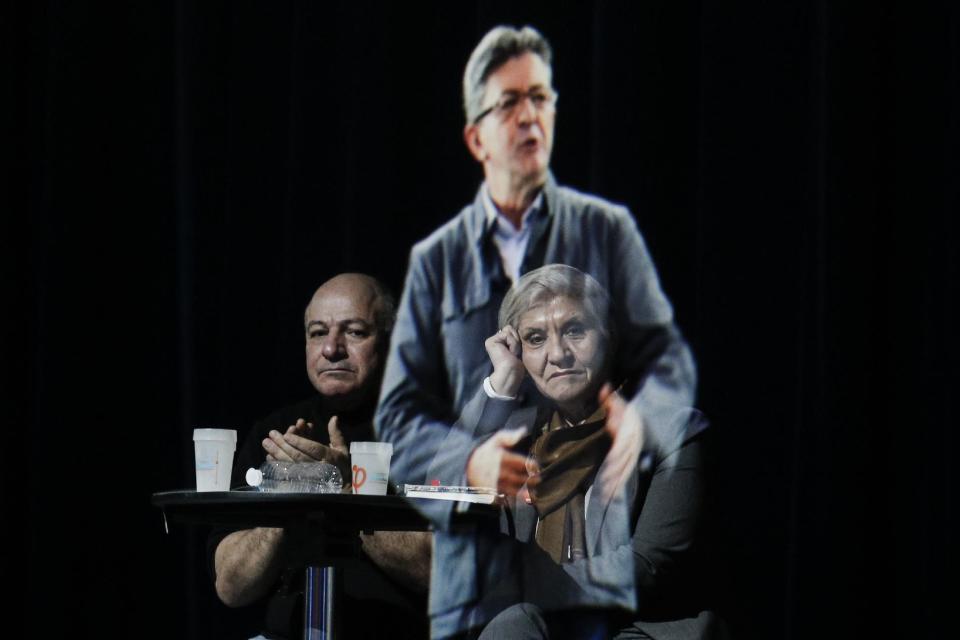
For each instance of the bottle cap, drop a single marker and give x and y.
(254, 477)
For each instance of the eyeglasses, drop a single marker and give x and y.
(504, 107)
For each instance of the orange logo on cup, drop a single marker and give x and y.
(359, 477)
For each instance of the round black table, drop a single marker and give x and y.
(337, 518)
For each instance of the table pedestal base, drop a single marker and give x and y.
(319, 598)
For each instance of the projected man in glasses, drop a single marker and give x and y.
(520, 219)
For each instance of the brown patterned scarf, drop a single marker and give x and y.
(569, 457)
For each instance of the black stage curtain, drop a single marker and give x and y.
(180, 176)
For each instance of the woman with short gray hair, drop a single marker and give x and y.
(605, 529)
(552, 281)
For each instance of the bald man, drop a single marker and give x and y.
(347, 328)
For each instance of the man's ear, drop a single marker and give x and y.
(471, 135)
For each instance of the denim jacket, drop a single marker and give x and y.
(451, 298)
(437, 362)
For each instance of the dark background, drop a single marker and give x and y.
(180, 176)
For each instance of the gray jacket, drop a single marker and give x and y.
(451, 298)
(437, 362)
(639, 535)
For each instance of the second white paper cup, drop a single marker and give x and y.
(371, 467)
(214, 458)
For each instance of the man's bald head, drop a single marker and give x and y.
(363, 287)
(347, 325)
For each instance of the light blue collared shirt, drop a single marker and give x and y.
(511, 242)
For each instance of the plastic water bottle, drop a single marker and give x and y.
(296, 477)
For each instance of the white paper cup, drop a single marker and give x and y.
(214, 458)
(371, 467)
